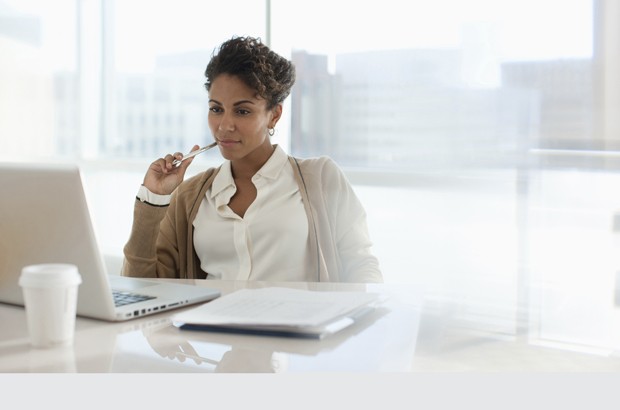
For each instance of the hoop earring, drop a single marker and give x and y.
(271, 131)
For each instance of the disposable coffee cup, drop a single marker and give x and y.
(50, 297)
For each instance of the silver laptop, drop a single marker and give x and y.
(44, 218)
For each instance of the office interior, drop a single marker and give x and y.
(482, 137)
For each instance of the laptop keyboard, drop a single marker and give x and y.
(122, 298)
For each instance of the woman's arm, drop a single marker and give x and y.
(348, 219)
(149, 252)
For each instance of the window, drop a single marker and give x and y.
(438, 85)
(444, 114)
(38, 79)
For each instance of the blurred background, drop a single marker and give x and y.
(482, 136)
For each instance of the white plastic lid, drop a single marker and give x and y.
(50, 275)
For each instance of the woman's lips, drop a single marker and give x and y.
(228, 143)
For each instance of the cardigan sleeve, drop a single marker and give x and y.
(142, 255)
(348, 226)
(160, 244)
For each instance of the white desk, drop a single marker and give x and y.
(382, 341)
(473, 328)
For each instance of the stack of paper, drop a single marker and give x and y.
(279, 311)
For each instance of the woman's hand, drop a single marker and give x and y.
(162, 177)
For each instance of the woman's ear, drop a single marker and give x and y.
(276, 115)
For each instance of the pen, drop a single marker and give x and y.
(192, 154)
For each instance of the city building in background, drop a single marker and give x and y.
(412, 109)
(406, 109)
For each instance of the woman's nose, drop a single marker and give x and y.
(226, 123)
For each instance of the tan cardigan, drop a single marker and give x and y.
(161, 239)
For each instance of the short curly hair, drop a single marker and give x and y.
(271, 75)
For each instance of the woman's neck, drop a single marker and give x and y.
(247, 167)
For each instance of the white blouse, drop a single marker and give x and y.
(270, 242)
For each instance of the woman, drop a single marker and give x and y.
(261, 215)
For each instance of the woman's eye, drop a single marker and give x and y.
(215, 109)
(242, 111)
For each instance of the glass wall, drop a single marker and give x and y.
(438, 85)
(479, 129)
(38, 78)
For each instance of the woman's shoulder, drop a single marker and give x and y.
(318, 164)
(321, 172)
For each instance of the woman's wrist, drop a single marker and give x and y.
(145, 195)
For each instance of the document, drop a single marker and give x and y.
(277, 311)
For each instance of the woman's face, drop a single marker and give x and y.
(239, 119)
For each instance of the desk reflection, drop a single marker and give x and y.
(190, 350)
(238, 358)
(168, 343)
